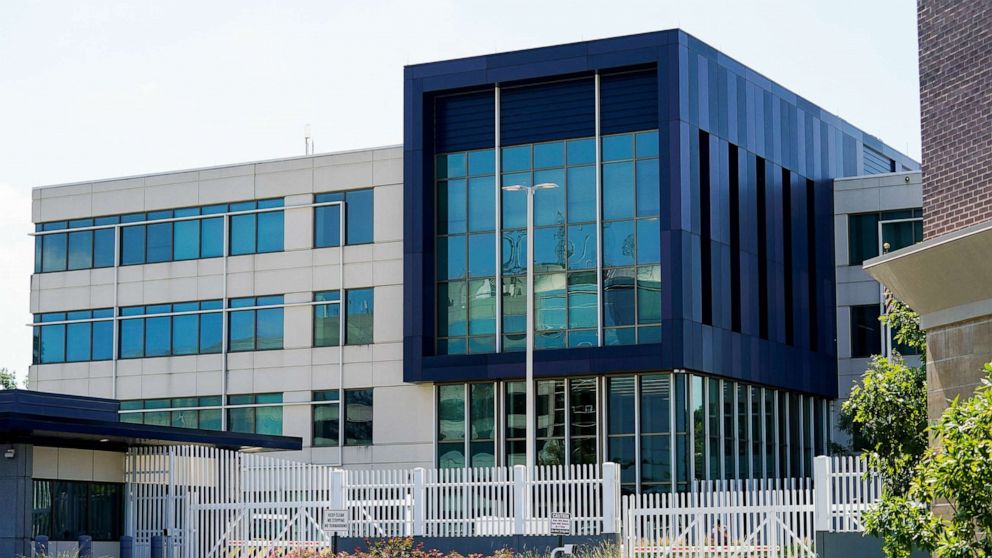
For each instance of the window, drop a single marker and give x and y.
(255, 328)
(264, 416)
(326, 415)
(187, 234)
(358, 312)
(180, 412)
(451, 426)
(358, 417)
(866, 331)
(862, 232)
(466, 425)
(64, 510)
(177, 329)
(87, 336)
(621, 433)
(358, 218)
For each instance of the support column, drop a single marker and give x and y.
(16, 466)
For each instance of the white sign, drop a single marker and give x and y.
(335, 521)
(561, 523)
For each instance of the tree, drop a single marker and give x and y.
(7, 379)
(947, 509)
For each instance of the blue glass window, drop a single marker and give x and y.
(618, 190)
(516, 158)
(78, 342)
(582, 246)
(103, 247)
(482, 203)
(482, 310)
(326, 320)
(581, 152)
(648, 241)
(646, 144)
(210, 333)
(648, 188)
(327, 224)
(133, 245)
(52, 344)
(514, 203)
(549, 204)
(549, 249)
(618, 293)
(80, 250)
(256, 330)
(359, 311)
(359, 218)
(514, 252)
(618, 148)
(649, 294)
(452, 207)
(581, 194)
(549, 301)
(53, 252)
(270, 329)
(185, 334)
(481, 162)
(481, 255)
(618, 243)
(452, 305)
(451, 257)
(582, 300)
(548, 155)
(186, 240)
(242, 331)
(158, 336)
(132, 338)
(103, 340)
(243, 235)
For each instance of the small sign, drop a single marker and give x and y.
(335, 521)
(561, 523)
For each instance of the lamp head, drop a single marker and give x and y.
(545, 186)
(513, 188)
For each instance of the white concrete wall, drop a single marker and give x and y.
(865, 194)
(403, 413)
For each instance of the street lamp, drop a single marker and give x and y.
(531, 412)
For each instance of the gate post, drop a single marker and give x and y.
(822, 496)
(520, 498)
(611, 496)
(337, 489)
(419, 502)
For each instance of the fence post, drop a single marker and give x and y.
(338, 501)
(419, 502)
(822, 497)
(611, 495)
(520, 498)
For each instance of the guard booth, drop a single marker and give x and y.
(63, 472)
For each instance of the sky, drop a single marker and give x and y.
(101, 89)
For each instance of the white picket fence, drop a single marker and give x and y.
(211, 501)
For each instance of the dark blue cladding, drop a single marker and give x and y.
(466, 121)
(548, 111)
(761, 312)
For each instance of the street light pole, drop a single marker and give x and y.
(531, 404)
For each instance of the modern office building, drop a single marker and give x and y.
(373, 302)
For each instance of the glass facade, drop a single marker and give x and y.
(183, 234)
(566, 237)
(663, 429)
(358, 219)
(158, 330)
(63, 510)
(87, 336)
(263, 417)
(179, 412)
(358, 417)
(255, 329)
(862, 232)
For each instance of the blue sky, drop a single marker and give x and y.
(102, 89)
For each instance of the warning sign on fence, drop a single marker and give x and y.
(334, 522)
(561, 523)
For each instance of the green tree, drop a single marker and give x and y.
(7, 379)
(947, 509)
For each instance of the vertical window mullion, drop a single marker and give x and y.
(637, 426)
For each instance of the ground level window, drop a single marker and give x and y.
(64, 510)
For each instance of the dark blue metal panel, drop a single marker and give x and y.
(628, 101)
(548, 111)
(465, 121)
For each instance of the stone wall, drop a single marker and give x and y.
(955, 356)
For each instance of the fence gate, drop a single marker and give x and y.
(768, 518)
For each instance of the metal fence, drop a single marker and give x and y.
(845, 488)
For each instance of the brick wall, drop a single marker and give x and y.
(956, 105)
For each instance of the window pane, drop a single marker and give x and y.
(242, 331)
(452, 346)
(70, 503)
(268, 420)
(581, 194)
(514, 252)
(516, 158)
(451, 413)
(648, 188)
(549, 155)
(482, 307)
(514, 304)
(81, 250)
(516, 410)
(451, 257)
(359, 216)
(132, 338)
(451, 308)
(482, 411)
(617, 148)
(583, 338)
(358, 417)
(862, 237)
(327, 227)
(582, 301)
(647, 144)
(325, 425)
(269, 329)
(159, 243)
(549, 203)
(482, 255)
(481, 162)
(514, 202)
(582, 402)
(482, 203)
(53, 344)
(549, 249)
(482, 345)
(103, 248)
(210, 333)
(270, 231)
(655, 402)
(618, 297)
(241, 420)
(242, 234)
(866, 331)
(186, 242)
(359, 313)
(157, 336)
(53, 252)
(550, 403)
(618, 243)
(649, 294)
(451, 455)
(103, 340)
(581, 246)
(648, 241)
(78, 342)
(621, 451)
(326, 326)
(549, 301)
(185, 334)
(581, 151)
(656, 459)
(618, 190)
(211, 237)
(620, 405)
(133, 245)
(452, 207)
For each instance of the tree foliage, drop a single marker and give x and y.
(7, 379)
(947, 509)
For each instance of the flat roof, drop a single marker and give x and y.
(63, 420)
